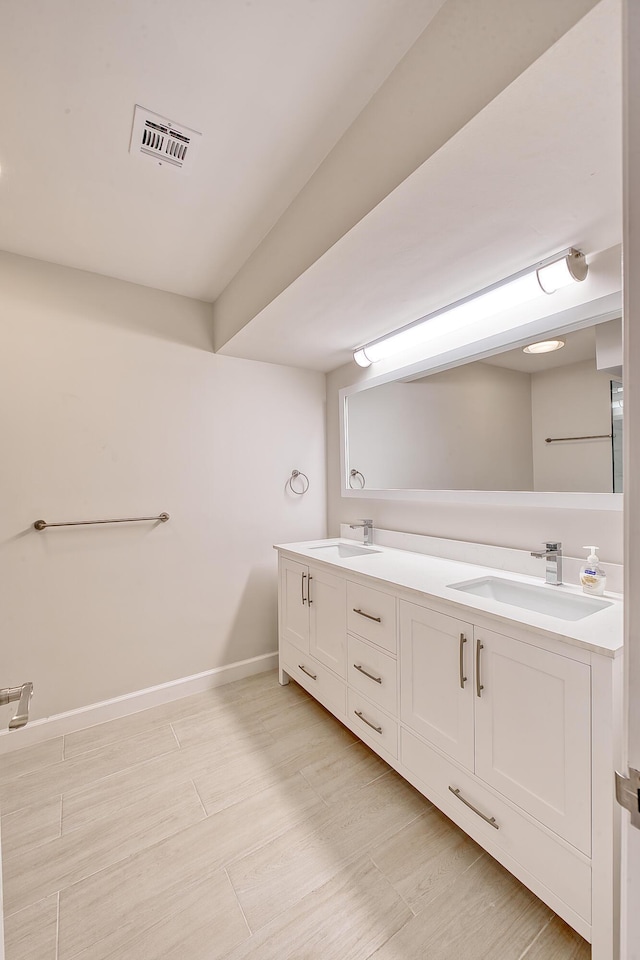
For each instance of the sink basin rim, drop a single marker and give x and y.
(346, 551)
(525, 596)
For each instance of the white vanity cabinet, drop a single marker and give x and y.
(313, 612)
(533, 732)
(516, 715)
(436, 670)
(510, 731)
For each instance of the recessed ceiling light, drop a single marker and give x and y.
(544, 346)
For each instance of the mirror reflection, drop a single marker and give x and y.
(528, 421)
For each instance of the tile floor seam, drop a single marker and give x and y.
(389, 834)
(311, 787)
(390, 884)
(121, 770)
(235, 893)
(175, 735)
(122, 738)
(453, 882)
(423, 907)
(108, 866)
(118, 741)
(537, 936)
(92, 783)
(58, 926)
(223, 865)
(342, 864)
(117, 773)
(114, 955)
(204, 809)
(27, 773)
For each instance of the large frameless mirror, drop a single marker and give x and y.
(514, 421)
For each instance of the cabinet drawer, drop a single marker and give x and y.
(373, 673)
(372, 724)
(562, 871)
(314, 677)
(372, 615)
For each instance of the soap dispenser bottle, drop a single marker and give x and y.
(592, 576)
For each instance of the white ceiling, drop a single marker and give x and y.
(271, 87)
(539, 169)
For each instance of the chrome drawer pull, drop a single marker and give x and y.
(463, 640)
(479, 686)
(490, 820)
(367, 615)
(304, 670)
(309, 600)
(359, 713)
(304, 599)
(370, 675)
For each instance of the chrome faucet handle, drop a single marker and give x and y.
(550, 546)
(367, 527)
(23, 694)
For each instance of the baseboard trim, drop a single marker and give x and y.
(57, 725)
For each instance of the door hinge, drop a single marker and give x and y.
(628, 794)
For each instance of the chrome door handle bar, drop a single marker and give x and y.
(313, 676)
(490, 820)
(463, 640)
(367, 615)
(479, 685)
(362, 717)
(370, 675)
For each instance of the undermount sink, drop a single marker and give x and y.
(543, 599)
(344, 550)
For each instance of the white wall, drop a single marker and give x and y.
(112, 405)
(571, 401)
(520, 527)
(468, 428)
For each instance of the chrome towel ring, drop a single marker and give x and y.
(357, 473)
(295, 474)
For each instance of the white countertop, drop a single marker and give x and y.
(601, 632)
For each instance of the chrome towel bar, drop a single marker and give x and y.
(23, 695)
(595, 436)
(42, 524)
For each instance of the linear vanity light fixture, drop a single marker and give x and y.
(547, 276)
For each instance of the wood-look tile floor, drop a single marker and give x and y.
(246, 823)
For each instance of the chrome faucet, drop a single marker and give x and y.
(367, 527)
(552, 553)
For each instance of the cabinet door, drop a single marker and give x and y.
(328, 619)
(294, 610)
(436, 680)
(533, 732)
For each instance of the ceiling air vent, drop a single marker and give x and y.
(166, 143)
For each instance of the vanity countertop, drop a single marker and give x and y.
(601, 632)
